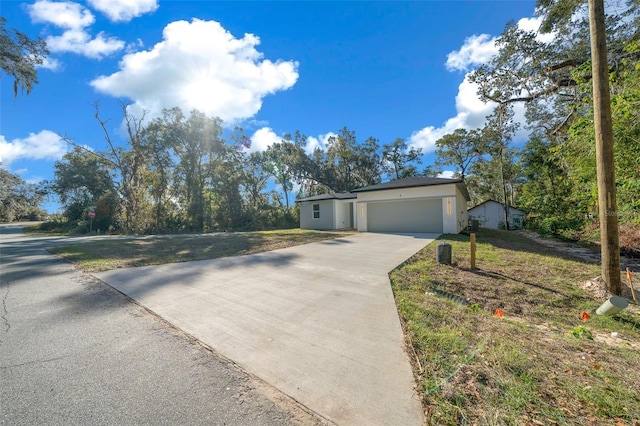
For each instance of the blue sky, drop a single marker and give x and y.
(383, 69)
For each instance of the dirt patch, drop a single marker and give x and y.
(596, 286)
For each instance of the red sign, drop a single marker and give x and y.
(92, 215)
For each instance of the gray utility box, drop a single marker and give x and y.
(443, 253)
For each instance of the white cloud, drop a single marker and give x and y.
(471, 114)
(320, 142)
(124, 10)
(262, 139)
(480, 48)
(74, 19)
(265, 137)
(45, 145)
(80, 42)
(63, 14)
(475, 51)
(471, 111)
(533, 25)
(199, 65)
(50, 64)
(426, 138)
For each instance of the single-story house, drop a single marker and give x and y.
(490, 214)
(413, 204)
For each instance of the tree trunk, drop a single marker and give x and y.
(610, 245)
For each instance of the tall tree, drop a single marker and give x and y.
(344, 165)
(369, 162)
(400, 160)
(198, 145)
(254, 181)
(131, 167)
(348, 164)
(159, 139)
(19, 57)
(279, 160)
(609, 40)
(626, 128)
(19, 199)
(82, 179)
(227, 163)
(460, 149)
(495, 174)
(552, 190)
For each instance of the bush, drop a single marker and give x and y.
(554, 225)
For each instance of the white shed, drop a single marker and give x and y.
(490, 214)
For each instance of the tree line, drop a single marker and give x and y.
(553, 177)
(184, 173)
(178, 172)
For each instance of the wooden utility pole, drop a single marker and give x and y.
(609, 239)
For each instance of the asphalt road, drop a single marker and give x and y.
(75, 351)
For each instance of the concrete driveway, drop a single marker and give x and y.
(316, 321)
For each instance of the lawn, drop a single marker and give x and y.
(540, 363)
(108, 254)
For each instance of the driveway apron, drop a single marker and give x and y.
(316, 321)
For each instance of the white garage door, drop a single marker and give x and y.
(424, 215)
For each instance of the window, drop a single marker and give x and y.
(316, 211)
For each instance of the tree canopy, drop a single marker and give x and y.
(183, 172)
(19, 200)
(19, 57)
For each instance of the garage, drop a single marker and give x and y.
(419, 215)
(415, 204)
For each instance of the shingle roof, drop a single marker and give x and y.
(333, 196)
(408, 182)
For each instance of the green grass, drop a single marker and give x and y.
(124, 253)
(536, 365)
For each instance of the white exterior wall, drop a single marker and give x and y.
(342, 219)
(327, 215)
(491, 213)
(361, 216)
(449, 217)
(461, 211)
(452, 209)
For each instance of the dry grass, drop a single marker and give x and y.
(540, 363)
(630, 239)
(112, 254)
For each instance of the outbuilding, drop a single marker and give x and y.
(491, 214)
(413, 204)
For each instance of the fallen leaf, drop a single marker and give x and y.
(597, 367)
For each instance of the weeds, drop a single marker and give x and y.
(542, 363)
